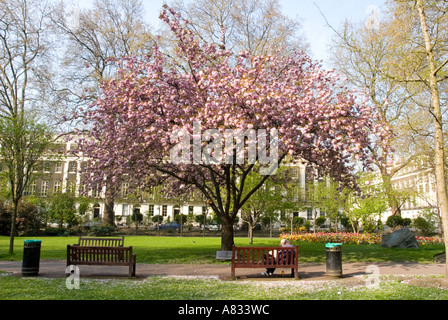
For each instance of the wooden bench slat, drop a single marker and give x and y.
(101, 242)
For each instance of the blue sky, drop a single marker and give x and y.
(314, 25)
(336, 12)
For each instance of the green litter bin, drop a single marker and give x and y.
(31, 257)
(334, 259)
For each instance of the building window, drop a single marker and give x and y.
(72, 167)
(57, 187)
(295, 172)
(58, 167)
(309, 214)
(44, 188)
(96, 212)
(97, 192)
(124, 210)
(124, 189)
(31, 189)
(47, 167)
(164, 210)
(190, 210)
(151, 210)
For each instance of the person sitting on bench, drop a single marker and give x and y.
(283, 243)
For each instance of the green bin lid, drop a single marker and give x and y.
(32, 241)
(332, 245)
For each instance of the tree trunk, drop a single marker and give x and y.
(250, 231)
(226, 235)
(391, 200)
(13, 226)
(439, 158)
(109, 215)
(353, 226)
(440, 180)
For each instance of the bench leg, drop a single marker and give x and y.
(295, 273)
(132, 266)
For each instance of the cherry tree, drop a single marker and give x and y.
(208, 118)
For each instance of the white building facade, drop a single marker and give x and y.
(62, 174)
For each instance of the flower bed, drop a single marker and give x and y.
(429, 240)
(350, 238)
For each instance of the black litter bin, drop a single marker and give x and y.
(31, 257)
(334, 259)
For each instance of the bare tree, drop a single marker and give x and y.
(435, 64)
(420, 49)
(111, 29)
(243, 25)
(361, 51)
(24, 54)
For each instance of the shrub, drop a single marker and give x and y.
(424, 226)
(157, 219)
(320, 221)
(50, 231)
(396, 220)
(298, 221)
(27, 222)
(307, 225)
(62, 209)
(102, 230)
(345, 222)
(369, 227)
(5, 220)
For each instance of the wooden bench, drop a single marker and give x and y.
(266, 257)
(100, 252)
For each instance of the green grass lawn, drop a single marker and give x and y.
(178, 288)
(203, 250)
(152, 249)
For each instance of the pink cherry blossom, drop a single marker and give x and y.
(318, 119)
